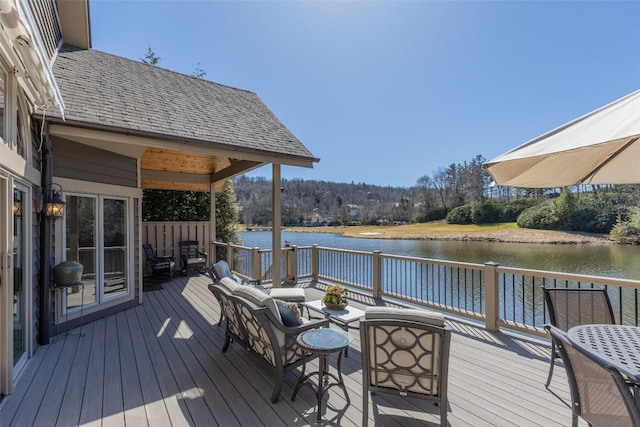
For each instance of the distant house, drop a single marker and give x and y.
(353, 211)
(93, 130)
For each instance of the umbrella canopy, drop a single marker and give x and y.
(601, 147)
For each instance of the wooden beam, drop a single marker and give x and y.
(178, 177)
(237, 167)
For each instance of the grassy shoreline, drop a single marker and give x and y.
(440, 230)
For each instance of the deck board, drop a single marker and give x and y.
(160, 364)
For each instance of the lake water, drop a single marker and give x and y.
(622, 261)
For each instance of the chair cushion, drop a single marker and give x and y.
(290, 313)
(259, 298)
(411, 314)
(288, 294)
(229, 283)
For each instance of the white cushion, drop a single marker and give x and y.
(259, 298)
(229, 283)
(288, 294)
(410, 314)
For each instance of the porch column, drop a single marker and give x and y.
(276, 219)
(213, 257)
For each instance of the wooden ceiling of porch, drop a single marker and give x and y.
(177, 170)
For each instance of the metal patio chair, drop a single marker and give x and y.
(572, 307)
(191, 256)
(161, 266)
(405, 352)
(599, 393)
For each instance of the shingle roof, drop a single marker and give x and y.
(110, 91)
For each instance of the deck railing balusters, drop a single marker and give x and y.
(450, 286)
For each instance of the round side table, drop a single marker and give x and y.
(323, 342)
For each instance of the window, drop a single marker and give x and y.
(96, 235)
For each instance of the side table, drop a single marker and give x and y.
(59, 291)
(323, 342)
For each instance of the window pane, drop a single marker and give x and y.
(80, 216)
(115, 247)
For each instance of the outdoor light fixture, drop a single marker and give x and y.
(17, 208)
(53, 204)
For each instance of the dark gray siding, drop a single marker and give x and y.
(35, 276)
(82, 162)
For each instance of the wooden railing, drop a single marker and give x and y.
(497, 295)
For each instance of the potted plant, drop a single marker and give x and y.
(335, 298)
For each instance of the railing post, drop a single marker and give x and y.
(255, 264)
(491, 295)
(229, 256)
(315, 263)
(376, 275)
(291, 258)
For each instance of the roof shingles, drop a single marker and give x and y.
(107, 90)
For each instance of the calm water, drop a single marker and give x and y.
(621, 261)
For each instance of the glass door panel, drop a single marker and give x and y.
(19, 298)
(80, 222)
(115, 247)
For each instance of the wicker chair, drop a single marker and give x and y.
(161, 267)
(572, 307)
(599, 393)
(191, 256)
(405, 352)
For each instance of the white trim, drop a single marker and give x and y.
(85, 187)
(99, 192)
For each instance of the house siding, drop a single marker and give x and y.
(82, 162)
(35, 271)
(46, 19)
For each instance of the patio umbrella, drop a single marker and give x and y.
(601, 147)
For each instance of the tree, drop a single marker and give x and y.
(226, 219)
(150, 57)
(199, 73)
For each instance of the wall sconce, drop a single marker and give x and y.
(53, 207)
(17, 208)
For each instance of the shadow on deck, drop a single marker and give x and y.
(160, 363)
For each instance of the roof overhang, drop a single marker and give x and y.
(168, 164)
(75, 22)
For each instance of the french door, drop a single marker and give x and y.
(15, 292)
(97, 236)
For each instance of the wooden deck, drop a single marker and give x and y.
(160, 364)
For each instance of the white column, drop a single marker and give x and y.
(276, 219)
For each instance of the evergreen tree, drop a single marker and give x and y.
(150, 57)
(226, 218)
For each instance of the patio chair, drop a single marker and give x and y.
(405, 352)
(221, 269)
(161, 267)
(572, 307)
(599, 393)
(191, 256)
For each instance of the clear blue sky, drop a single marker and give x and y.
(386, 92)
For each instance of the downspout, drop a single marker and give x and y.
(46, 230)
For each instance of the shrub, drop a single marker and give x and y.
(460, 215)
(334, 223)
(511, 210)
(627, 231)
(434, 214)
(485, 212)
